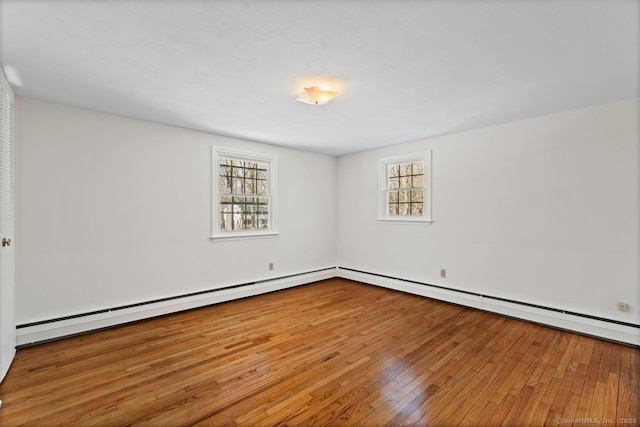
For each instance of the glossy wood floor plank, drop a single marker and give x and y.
(330, 353)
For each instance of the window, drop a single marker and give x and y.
(405, 184)
(243, 194)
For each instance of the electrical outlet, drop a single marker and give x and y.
(443, 273)
(623, 306)
(270, 266)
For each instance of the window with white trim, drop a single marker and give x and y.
(405, 188)
(244, 201)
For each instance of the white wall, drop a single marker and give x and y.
(114, 211)
(543, 211)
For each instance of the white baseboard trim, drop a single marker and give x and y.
(583, 325)
(54, 329)
(77, 324)
(469, 300)
(558, 319)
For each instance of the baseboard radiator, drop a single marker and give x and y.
(56, 328)
(612, 330)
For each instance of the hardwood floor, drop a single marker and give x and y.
(330, 353)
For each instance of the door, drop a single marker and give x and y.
(7, 228)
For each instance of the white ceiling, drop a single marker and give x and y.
(405, 70)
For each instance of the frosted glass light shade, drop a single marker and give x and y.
(316, 95)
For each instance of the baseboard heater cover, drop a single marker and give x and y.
(613, 330)
(56, 328)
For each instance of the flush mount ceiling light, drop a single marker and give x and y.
(316, 95)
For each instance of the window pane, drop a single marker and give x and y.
(403, 209)
(238, 187)
(393, 197)
(416, 208)
(405, 182)
(418, 168)
(263, 218)
(249, 186)
(417, 196)
(418, 181)
(393, 209)
(261, 187)
(403, 196)
(226, 219)
(239, 222)
(225, 186)
(394, 183)
(225, 174)
(393, 171)
(262, 174)
(230, 216)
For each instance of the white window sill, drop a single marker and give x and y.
(242, 236)
(405, 221)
